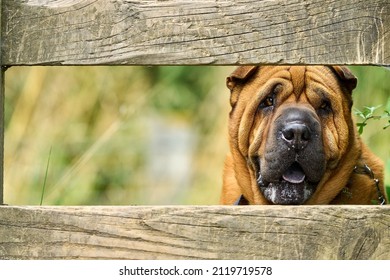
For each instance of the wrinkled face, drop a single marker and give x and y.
(288, 128)
(293, 159)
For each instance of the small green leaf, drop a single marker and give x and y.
(359, 113)
(369, 111)
(361, 126)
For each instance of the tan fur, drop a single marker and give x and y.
(342, 144)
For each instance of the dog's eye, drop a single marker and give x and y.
(270, 100)
(325, 106)
(267, 102)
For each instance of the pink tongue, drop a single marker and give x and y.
(294, 174)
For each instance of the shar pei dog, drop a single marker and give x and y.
(293, 139)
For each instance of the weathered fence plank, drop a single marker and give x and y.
(196, 32)
(195, 232)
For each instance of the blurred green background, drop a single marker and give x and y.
(133, 135)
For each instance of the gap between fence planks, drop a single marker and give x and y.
(196, 32)
(2, 76)
(195, 232)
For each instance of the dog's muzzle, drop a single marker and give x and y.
(294, 158)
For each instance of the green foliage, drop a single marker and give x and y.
(367, 114)
(387, 115)
(180, 89)
(374, 88)
(100, 124)
(370, 113)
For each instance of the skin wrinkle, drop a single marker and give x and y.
(339, 135)
(255, 146)
(297, 82)
(331, 90)
(337, 149)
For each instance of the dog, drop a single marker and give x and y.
(293, 140)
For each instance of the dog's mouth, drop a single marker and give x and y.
(292, 188)
(294, 174)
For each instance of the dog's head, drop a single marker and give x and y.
(290, 126)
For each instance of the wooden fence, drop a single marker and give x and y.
(99, 32)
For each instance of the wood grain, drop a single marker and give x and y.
(195, 232)
(196, 32)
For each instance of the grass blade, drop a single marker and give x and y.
(44, 182)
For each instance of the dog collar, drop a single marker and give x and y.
(364, 169)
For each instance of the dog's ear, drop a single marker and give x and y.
(346, 76)
(241, 74)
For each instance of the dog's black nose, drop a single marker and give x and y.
(296, 135)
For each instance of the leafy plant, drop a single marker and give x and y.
(370, 113)
(387, 115)
(367, 114)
